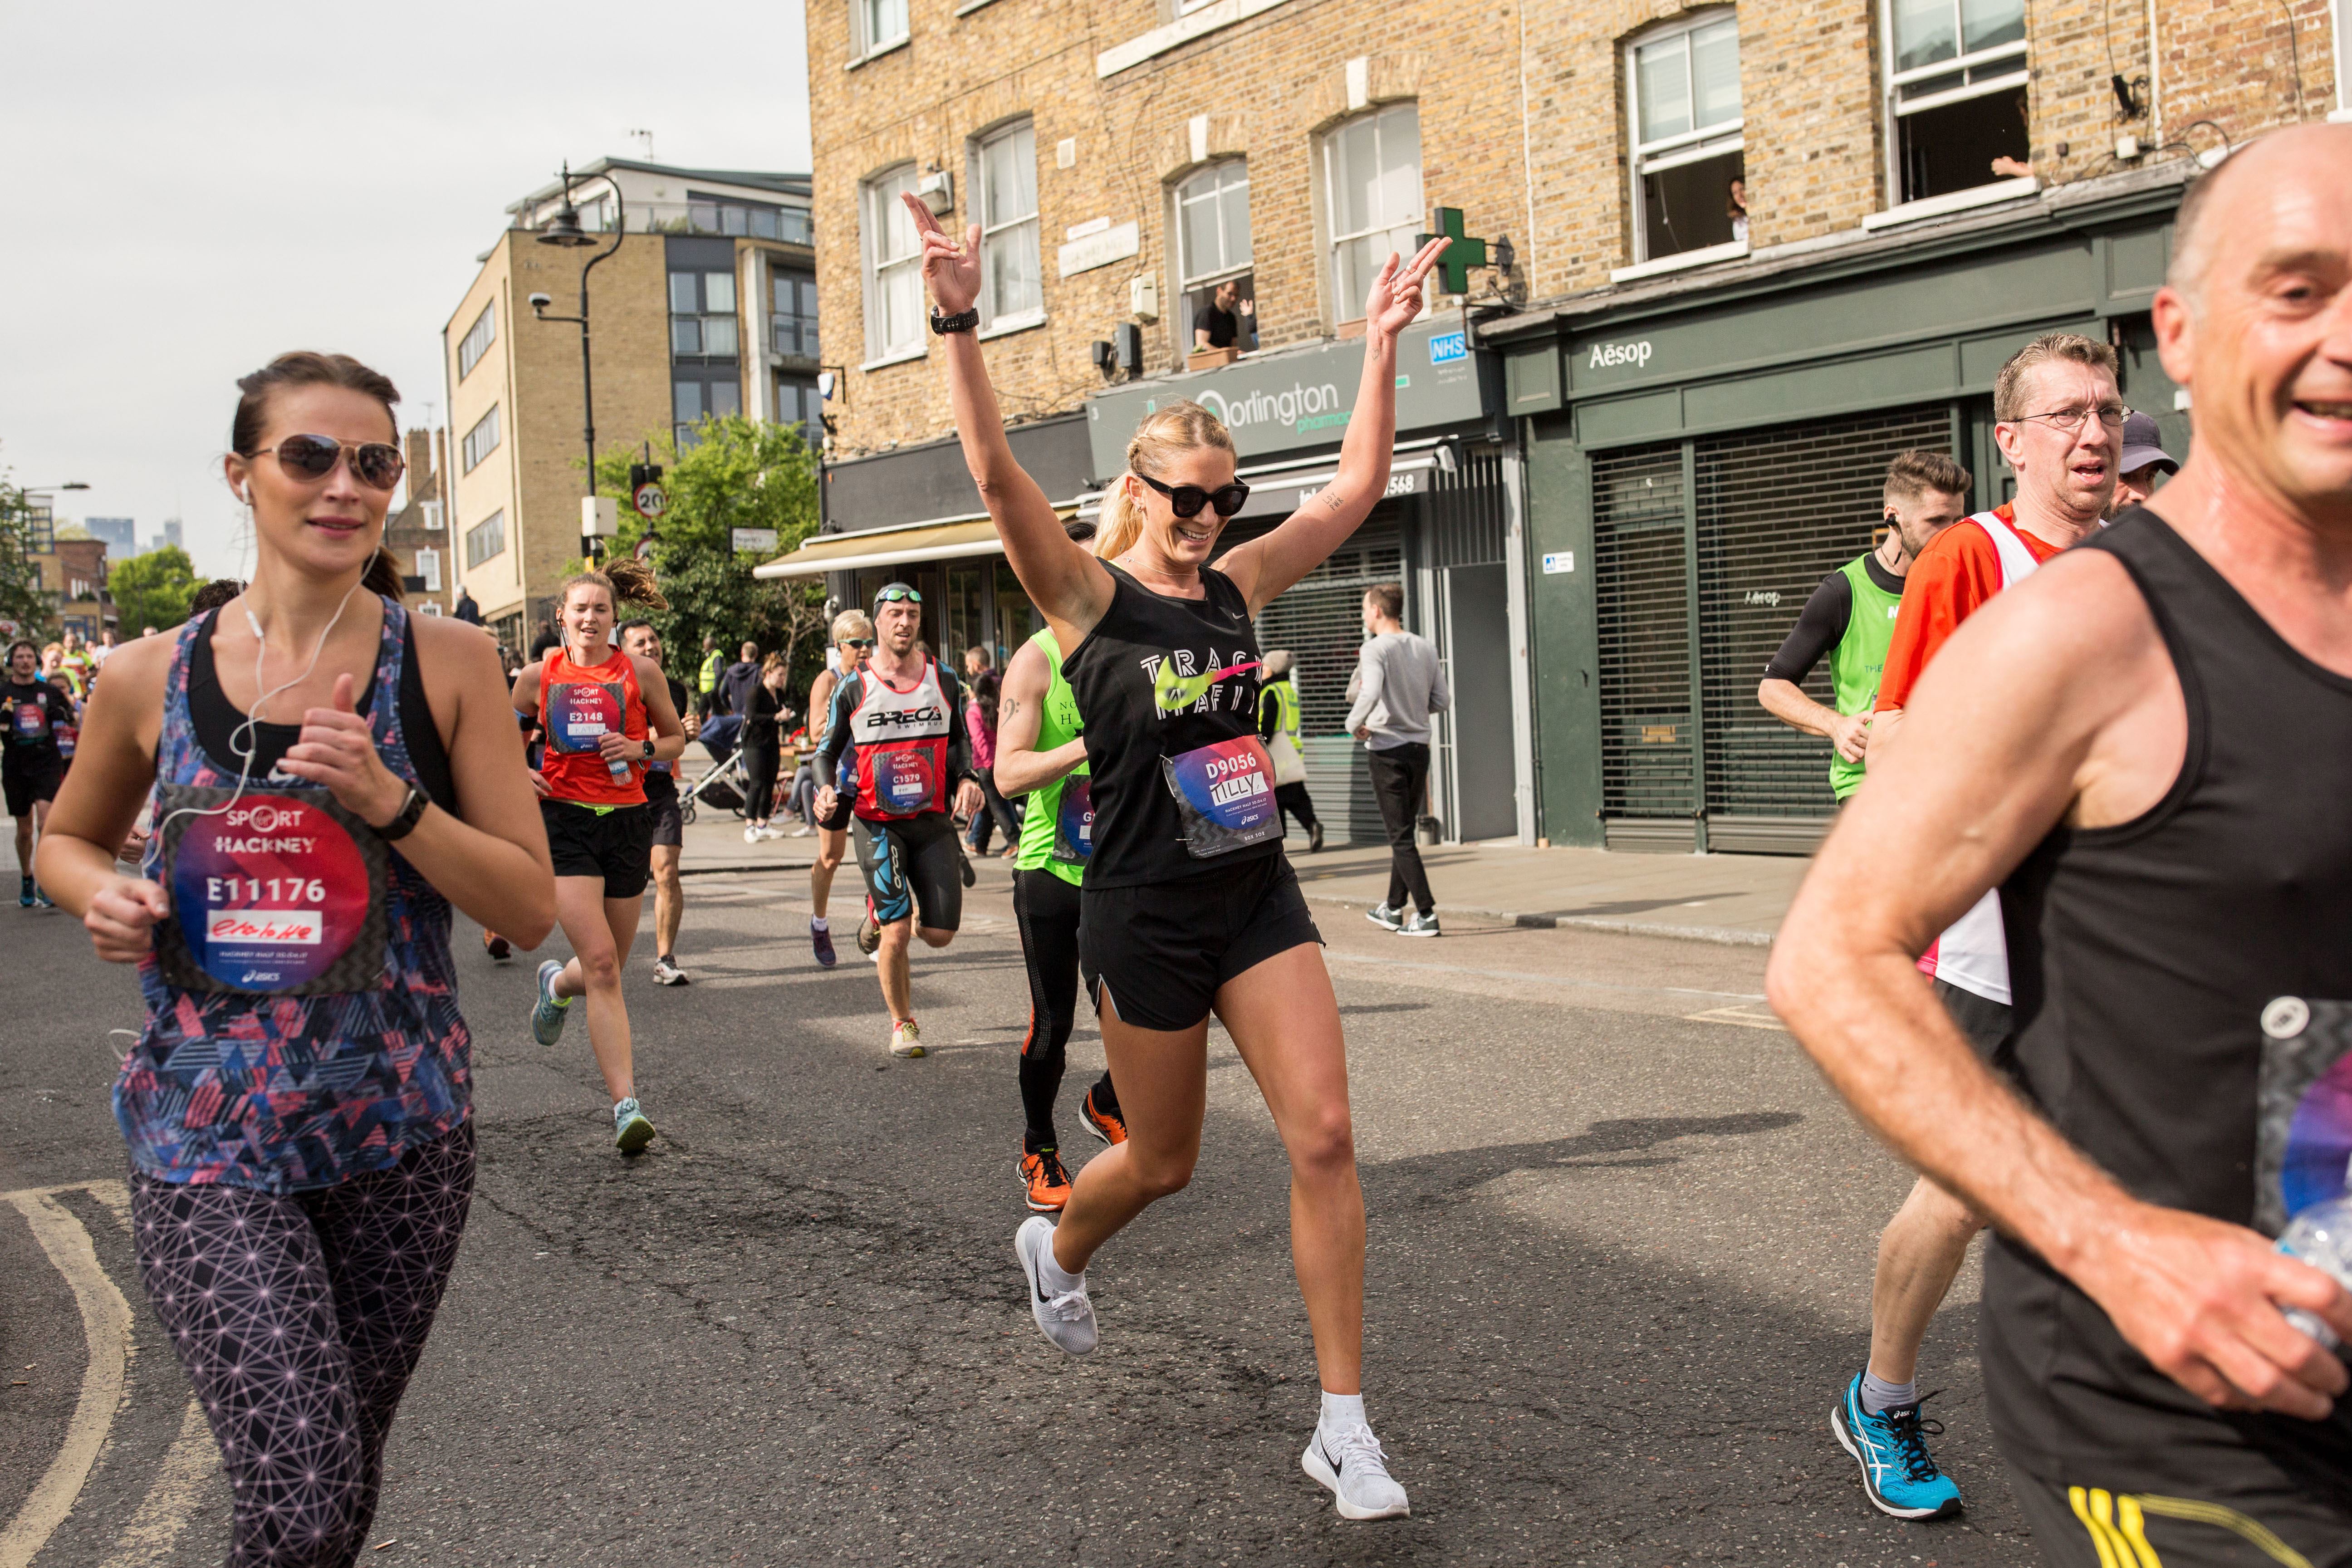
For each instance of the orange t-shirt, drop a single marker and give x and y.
(578, 703)
(1952, 579)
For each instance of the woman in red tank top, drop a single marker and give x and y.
(607, 714)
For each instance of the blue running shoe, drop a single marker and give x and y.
(1891, 1447)
(631, 1130)
(548, 1014)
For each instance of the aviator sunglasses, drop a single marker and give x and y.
(1186, 501)
(375, 464)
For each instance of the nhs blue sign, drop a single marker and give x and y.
(1447, 347)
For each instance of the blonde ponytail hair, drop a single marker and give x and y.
(626, 581)
(1181, 426)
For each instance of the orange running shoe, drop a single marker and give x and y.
(1111, 1129)
(1047, 1183)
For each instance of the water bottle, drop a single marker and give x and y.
(619, 769)
(2321, 1235)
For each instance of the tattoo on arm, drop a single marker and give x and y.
(1331, 499)
(1012, 706)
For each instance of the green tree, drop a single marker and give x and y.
(152, 590)
(21, 598)
(737, 473)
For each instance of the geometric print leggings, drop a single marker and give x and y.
(300, 1318)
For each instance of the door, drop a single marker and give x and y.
(1479, 666)
(1642, 570)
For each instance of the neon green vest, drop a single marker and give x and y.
(1284, 698)
(1045, 840)
(713, 664)
(1859, 659)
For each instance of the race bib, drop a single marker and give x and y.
(2304, 1109)
(1074, 824)
(32, 722)
(906, 780)
(1225, 795)
(580, 712)
(68, 735)
(282, 894)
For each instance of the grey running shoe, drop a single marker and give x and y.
(1385, 918)
(548, 1014)
(1351, 1463)
(666, 972)
(1420, 925)
(631, 1130)
(1065, 1317)
(905, 1038)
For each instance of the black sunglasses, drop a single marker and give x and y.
(1186, 501)
(375, 464)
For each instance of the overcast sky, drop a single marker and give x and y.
(192, 189)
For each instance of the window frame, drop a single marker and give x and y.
(862, 43)
(874, 191)
(804, 322)
(1344, 310)
(1186, 279)
(1696, 146)
(476, 561)
(469, 353)
(976, 152)
(1893, 111)
(472, 457)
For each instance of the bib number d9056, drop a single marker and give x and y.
(1225, 795)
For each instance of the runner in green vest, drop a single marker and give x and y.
(1851, 617)
(1278, 727)
(1040, 754)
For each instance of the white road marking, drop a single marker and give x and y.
(155, 1530)
(106, 1325)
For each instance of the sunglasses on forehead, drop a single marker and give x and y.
(1186, 501)
(375, 464)
(892, 596)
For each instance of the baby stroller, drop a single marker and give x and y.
(726, 787)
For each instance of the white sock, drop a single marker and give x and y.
(816, 922)
(1341, 1411)
(1050, 1274)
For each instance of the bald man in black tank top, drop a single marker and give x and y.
(2145, 747)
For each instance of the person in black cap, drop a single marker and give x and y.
(2143, 457)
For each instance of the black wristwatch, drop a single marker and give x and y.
(650, 748)
(412, 812)
(961, 321)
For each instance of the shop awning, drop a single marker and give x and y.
(886, 547)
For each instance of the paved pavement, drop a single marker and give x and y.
(1621, 1246)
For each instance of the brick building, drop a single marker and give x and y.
(418, 533)
(1752, 251)
(707, 305)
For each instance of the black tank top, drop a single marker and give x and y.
(2143, 957)
(1168, 691)
(218, 719)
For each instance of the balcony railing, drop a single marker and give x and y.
(789, 225)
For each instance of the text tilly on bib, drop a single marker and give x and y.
(282, 894)
(1225, 795)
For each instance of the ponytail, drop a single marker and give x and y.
(383, 575)
(1181, 426)
(626, 580)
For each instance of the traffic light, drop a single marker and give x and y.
(643, 473)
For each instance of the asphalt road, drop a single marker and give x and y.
(1621, 1247)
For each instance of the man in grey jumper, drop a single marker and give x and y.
(1398, 684)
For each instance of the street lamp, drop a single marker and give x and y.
(564, 230)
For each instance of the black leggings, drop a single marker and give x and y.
(761, 763)
(298, 1319)
(1294, 799)
(1047, 910)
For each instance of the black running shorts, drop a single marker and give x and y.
(661, 806)
(34, 784)
(2241, 1517)
(912, 864)
(1165, 947)
(615, 845)
(1990, 1026)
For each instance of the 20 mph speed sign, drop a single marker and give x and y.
(648, 500)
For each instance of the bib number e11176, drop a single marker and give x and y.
(1225, 795)
(281, 894)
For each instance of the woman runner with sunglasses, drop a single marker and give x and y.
(607, 714)
(298, 1106)
(1188, 904)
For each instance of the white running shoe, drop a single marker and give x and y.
(905, 1038)
(1065, 1317)
(751, 833)
(1351, 1463)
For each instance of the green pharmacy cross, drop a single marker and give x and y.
(1454, 266)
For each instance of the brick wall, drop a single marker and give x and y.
(1553, 176)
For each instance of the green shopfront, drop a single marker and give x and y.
(1700, 451)
(1445, 530)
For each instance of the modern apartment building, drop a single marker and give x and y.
(705, 305)
(1722, 262)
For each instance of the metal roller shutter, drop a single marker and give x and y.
(1321, 620)
(1777, 511)
(1641, 571)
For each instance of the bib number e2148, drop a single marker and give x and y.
(580, 712)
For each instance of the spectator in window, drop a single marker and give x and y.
(1215, 324)
(1734, 202)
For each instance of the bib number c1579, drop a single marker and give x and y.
(1225, 795)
